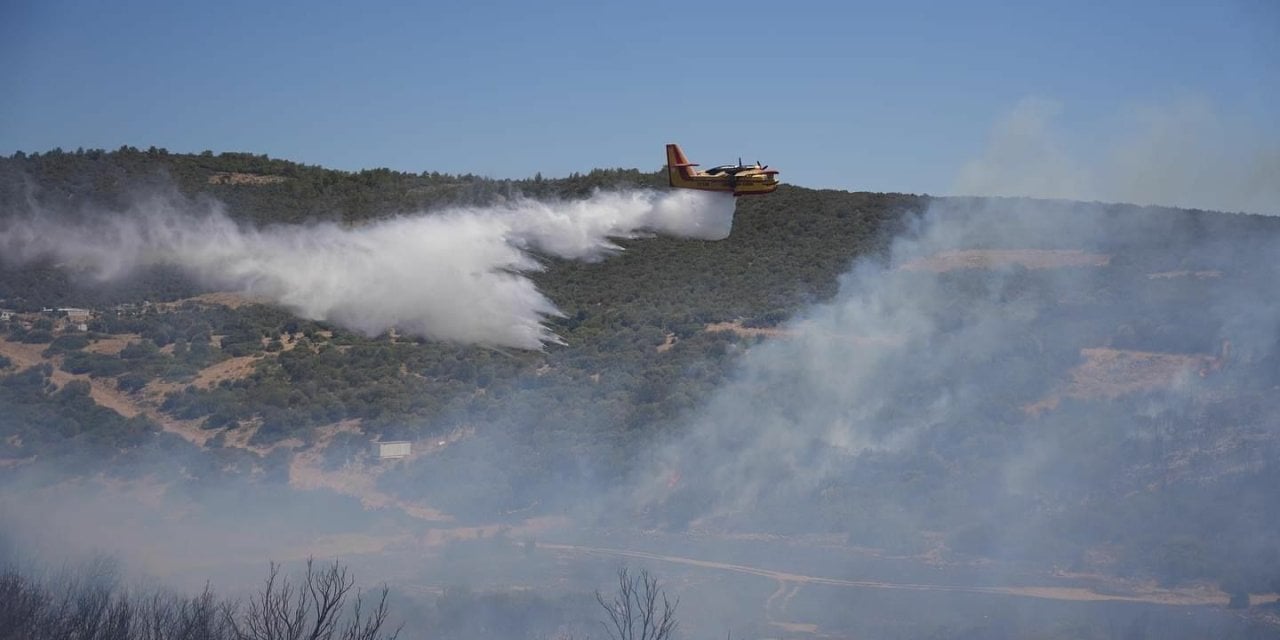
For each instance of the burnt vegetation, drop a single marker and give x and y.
(91, 603)
(639, 609)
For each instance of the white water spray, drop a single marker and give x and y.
(454, 275)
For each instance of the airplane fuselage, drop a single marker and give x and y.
(735, 179)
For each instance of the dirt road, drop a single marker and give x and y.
(1150, 595)
(103, 391)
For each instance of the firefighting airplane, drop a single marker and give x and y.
(741, 180)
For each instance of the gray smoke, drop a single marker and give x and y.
(1182, 154)
(980, 312)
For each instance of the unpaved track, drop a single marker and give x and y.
(1182, 597)
(1001, 258)
(306, 471)
(229, 369)
(102, 391)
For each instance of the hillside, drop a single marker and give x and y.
(1046, 391)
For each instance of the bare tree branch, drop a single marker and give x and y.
(634, 612)
(88, 605)
(316, 610)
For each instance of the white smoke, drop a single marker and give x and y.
(1181, 154)
(454, 275)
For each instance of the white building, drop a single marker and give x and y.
(393, 450)
(76, 316)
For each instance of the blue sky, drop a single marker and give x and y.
(884, 97)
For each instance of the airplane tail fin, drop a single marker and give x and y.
(678, 166)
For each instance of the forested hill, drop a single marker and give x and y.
(786, 251)
(260, 189)
(1130, 343)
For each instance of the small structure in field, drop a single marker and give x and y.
(76, 316)
(393, 450)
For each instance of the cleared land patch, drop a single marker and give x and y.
(236, 177)
(229, 369)
(229, 299)
(1198, 275)
(112, 345)
(996, 258)
(747, 332)
(1110, 373)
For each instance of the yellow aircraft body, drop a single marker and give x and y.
(749, 180)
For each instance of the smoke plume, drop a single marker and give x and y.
(995, 331)
(1181, 154)
(454, 275)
